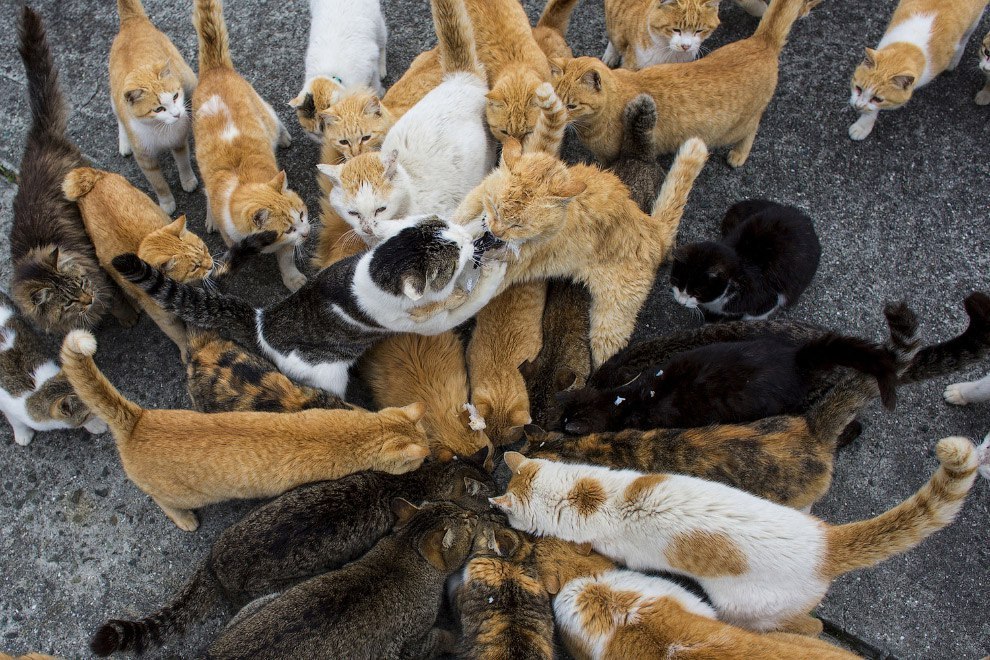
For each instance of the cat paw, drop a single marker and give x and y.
(23, 437)
(293, 281)
(124, 149)
(983, 97)
(611, 58)
(185, 520)
(189, 183)
(96, 426)
(737, 159)
(545, 96)
(284, 139)
(859, 131)
(954, 394)
(126, 315)
(167, 204)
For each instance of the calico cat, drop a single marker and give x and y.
(346, 48)
(356, 303)
(186, 460)
(579, 223)
(330, 523)
(57, 282)
(34, 393)
(924, 38)
(236, 135)
(763, 565)
(642, 33)
(719, 98)
(149, 84)
(767, 257)
(983, 96)
(551, 29)
(636, 165)
(383, 605)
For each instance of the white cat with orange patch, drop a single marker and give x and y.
(764, 566)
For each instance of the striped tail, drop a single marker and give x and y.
(49, 114)
(970, 347)
(455, 36)
(557, 15)
(639, 120)
(214, 46)
(777, 21)
(548, 134)
(673, 197)
(94, 389)
(128, 9)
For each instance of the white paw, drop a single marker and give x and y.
(983, 97)
(284, 139)
(954, 394)
(189, 183)
(544, 95)
(24, 438)
(96, 426)
(859, 131)
(167, 204)
(125, 149)
(294, 281)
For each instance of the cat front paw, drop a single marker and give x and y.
(189, 183)
(545, 96)
(293, 281)
(954, 394)
(125, 149)
(983, 96)
(23, 436)
(737, 159)
(167, 204)
(860, 129)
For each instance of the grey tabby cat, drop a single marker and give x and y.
(637, 164)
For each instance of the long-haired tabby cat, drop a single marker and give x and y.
(330, 523)
(57, 282)
(383, 605)
(236, 134)
(983, 96)
(149, 84)
(185, 460)
(719, 98)
(763, 565)
(579, 223)
(924, 38)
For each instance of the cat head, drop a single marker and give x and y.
(404, 442)
(271, 206)
(701, 272)
(544, 385)
(591, 410)
(369, 191)
(584, 85)
(56, 401)
(512, 109)
(883, 80)
(316, 97)
(181, 254)
(683, 24)
(153, 94)
(465, 482)
(504, 404)
(356, 123)
(985, 54)
(441, 532)
(59, 288)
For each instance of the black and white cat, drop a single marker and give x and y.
(317, 333)
(765, 260)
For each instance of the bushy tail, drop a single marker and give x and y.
(48, 109)
(130, 9)
(214, 47)
(673, 197)
(557, 15)
(548, 134)
(455, 35)
(197, 599)
(93, 388)
(776, 23)
(868, 542)
(832, 350)
(80, 182)
(970, 347)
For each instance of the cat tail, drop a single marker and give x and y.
(832, 350)
(214, 47)
(130, 9)
(557, 15)
(241, 252)
(93, 388)
(80, 181)
(777, 21)
(548, 134)
(196, 600)
(639, 120)
(866, 543)
(49, 114)
(455, 37)
(669, 205)
(950, 356)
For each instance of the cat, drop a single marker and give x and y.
(186, 460)
(766, 258)
(34, 393)
(121, 219)
(56, 282)
(636, 165)
(356, 303)
(508, 332)
(330, 523)
(355, 123)
(551, 29)
(642, 33)
(924, 38)
(347, 48)
(149, 84)
(579, 222)
(983, 96)
(763, 565)
(564, 360)
(236, 134)
(719, 98)
(383, 605)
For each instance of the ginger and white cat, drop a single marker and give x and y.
(924, 38)
(764, 566)
(642, 33)
(149, 86)
(186, 460)
(983, 96)
(236, 134)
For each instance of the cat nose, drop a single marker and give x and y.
(304, 231)
(685, 46)
(85, 298)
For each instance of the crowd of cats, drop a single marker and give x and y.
(658, 504)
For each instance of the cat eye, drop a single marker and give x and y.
(365, 138)
(344, 142)
(354, 213)
(677, 31)
(572, 106)
(160, 108)
(859, 90)
(986, 51)
(877, 99)
(175, 97)
(380, 209)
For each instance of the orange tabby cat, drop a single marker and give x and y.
(355, 124)
(185, 460)
(719, 98)
(509, 331)
(579, 223)
(642, 33)
(121, 219)
(236, 133)
(149, 83)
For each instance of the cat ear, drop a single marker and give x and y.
(481, 456)
(280, 183)
(133, 95)
(260, 217)
(41, 296)
(433, 547)
(583, 548)
(563, 379)
(871, 58)
(504, 502)
(373, 107)
(551, 581)
(593, 80)
(177, 226)
(329, 118)
(712, 4)
(390, 161)
(527, 369)
(169, 265)
(473, 487)
(415, 411)
(403, 510)
(556, 67)
(331, 172)
(569, 190)
(166, 70)
(495, 100)
(903, 81)
(519, 418)
(511, 151)
(514, 460)
(413, 287)
(505, 542)
(62, 260)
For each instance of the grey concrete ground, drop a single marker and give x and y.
(902, 215)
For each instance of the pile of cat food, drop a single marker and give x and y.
(658, 491)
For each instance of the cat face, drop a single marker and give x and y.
(701, 273)
(443, 532)
(583, 85)
(985, 54)
(180, 253)
(512, 108)
(684, 24)
(57, 286)
(315, 98)
(881, 82)
(368, 192)
(355, 124)
(505, 408)
(590, 410)
(56, 401)
(154, 95)
(258, 207)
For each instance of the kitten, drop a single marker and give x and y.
(186, 460)
(330, 523)
(642, 33)
(149, 83)
(383, 605)
(509, 331)
(719, 98)
(976, 391)
(767, 257)
(564, 360)
(57, 282)
(983, 96)
(34, 393)
(579, 222)
(924, 38)
(551, 29)
(236, 134)
(763, 565)
(637, 165)
(356, 303)
(346, 48)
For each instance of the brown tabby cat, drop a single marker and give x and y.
(185, 460)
